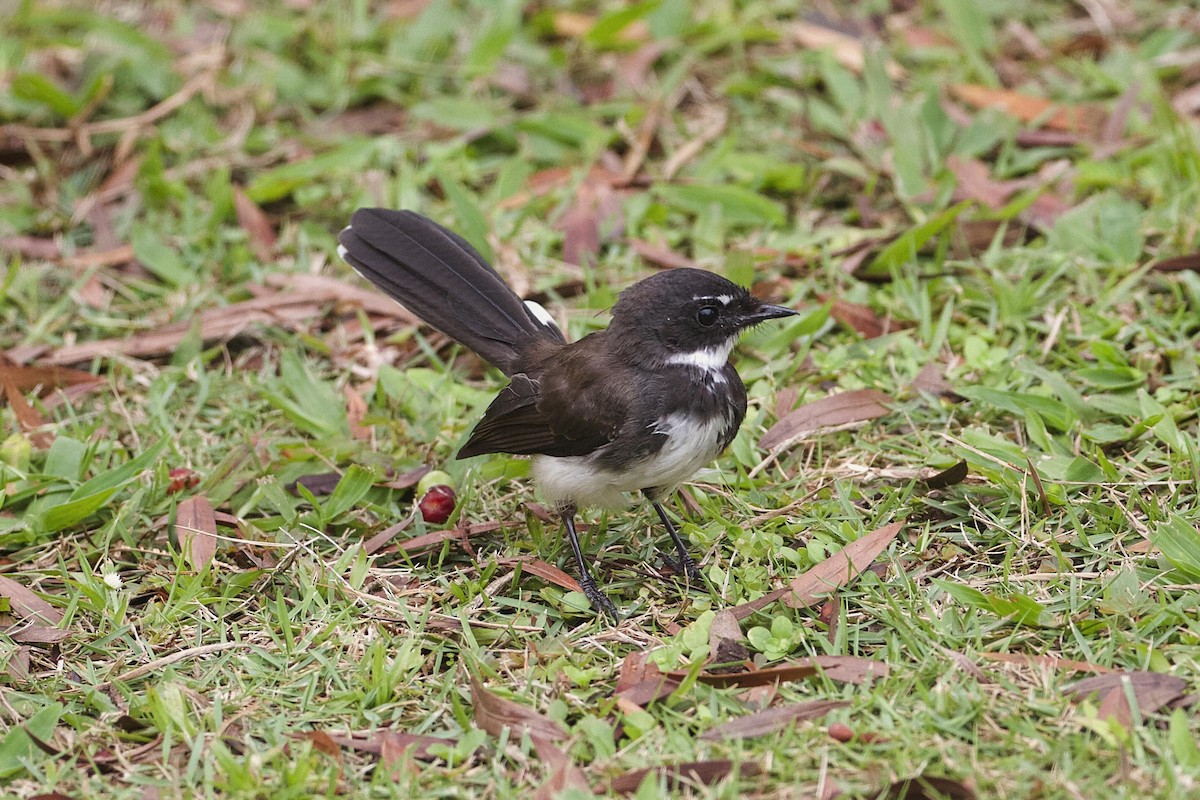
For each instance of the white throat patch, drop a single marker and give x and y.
(709, 359)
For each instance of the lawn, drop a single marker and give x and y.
(953, 551)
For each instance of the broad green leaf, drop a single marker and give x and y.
(906, 247)
(160, 258)
(17, 749)
(738, 205)
(472, 224)
(278, 183)
(72, 512)
(353, 486)
(310, 403)
(1179, 541)
(607, 30)
(40, 89)
(119, 476)
(1055, 413)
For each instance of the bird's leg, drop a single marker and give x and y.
(686, 565)
(597, 598)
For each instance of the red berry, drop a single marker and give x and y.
(437, 505)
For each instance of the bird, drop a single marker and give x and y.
(638, 407)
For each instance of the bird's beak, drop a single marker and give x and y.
(767, 311)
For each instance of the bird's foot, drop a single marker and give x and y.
(684, 565)
(598, 599)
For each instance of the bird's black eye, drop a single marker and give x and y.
(708, 315)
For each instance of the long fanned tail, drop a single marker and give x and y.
(437, 275)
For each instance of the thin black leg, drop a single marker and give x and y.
(597, 598)
(686, 565)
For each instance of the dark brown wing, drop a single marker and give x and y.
(566, 406)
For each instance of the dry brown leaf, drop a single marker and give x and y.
(547, 572)
(196, 527)
(36, 248)
(425, 541)
(17, 665)
(375, 741)
(780, 673)
(847, 408)
(1151, 691)
(931, 379)
(356, 412)
(563, 772)
(660, 256)
(1191, 261)
(772, 719)
(26, 378)
(38, 634)
(324, 743)
(494, 713)
(840, 568)
(949, 476)
(847, 50)
(1086, 120)
(926, 787)
(380, 540)
(704, 773)
(635, 668)
(859, 318)
(26, 604)
(648, 691)
(29, 417)
(1050, 662)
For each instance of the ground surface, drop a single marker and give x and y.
(986, 213)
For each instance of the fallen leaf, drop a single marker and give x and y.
(1087, 120)
(375, 741)
(847, 50)
(26, 604)
(547, 572)
(846, 408)
(1191, 261)
(563, 772)
(660, 256)
(770, 720)
(925, 787)
(930, 379)
(949, 476)
(356, 412)
(725, 639)
(320, 484)
(256, 225)
(26, 378)
(704, 773)
(380, 540)
(494, 713)
(843, 669)
(648, 691)
(196, 527)
(635, 668)
(425, 541)
(1151, 691)
(36, 248)
(858, 317)
(38, 634)
(29, 417)
(1050, 662)
(17, 665)
(324, 743)
(840, 568)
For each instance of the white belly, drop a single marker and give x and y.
(581, 481)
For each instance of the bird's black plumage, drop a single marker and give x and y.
(639, 406)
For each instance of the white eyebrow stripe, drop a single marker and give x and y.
(723, 299)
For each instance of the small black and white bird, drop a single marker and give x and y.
(637, 407)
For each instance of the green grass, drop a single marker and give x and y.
(1071, 367)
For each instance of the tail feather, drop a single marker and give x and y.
(440, 277)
